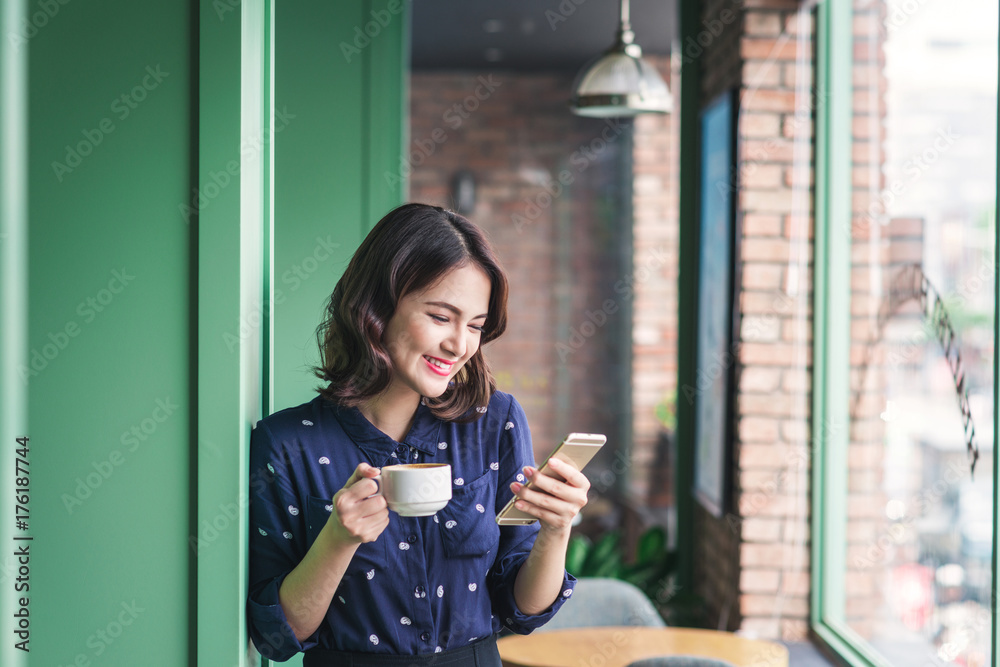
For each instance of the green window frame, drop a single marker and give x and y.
(831, 340)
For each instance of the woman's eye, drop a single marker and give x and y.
(476, 327)
(438, 318)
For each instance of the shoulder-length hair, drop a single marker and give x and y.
(409, 249)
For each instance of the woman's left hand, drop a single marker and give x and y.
(554, 502)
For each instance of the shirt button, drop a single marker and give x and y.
(419, 590)
(412, 539)
(425, 636)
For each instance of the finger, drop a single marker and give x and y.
(556, 487)
(363, 488)
(540, 480)
(348, 500)
(560, 504)
(565, 497)
(570, 473)
(358, 516)
(368, 470)
(372, 506)
(546, 516)
(528, 508)
(355, 476)
(363, 471)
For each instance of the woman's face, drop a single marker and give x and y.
(435, 331)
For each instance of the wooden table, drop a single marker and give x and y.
(619, 646)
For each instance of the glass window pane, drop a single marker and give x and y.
(919, 521)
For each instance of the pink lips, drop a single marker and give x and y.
(443, 372)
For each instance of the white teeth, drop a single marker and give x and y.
(435, 362)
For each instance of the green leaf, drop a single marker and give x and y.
(609, 567)
(652, 545)
(643, 575)
(601, 554)
(576, 554)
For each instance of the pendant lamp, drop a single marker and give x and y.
(620, 82)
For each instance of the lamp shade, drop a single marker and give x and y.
(620, 84)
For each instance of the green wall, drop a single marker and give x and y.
(347, 131)
(138, 405)
(110, 413)
(312, 249)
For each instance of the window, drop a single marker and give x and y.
(905, 294)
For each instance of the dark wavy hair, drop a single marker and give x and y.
(409, 249)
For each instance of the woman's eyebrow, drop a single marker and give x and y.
(454, 309)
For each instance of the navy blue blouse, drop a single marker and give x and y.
(426, 584)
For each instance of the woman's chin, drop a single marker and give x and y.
(437, 389)
(435, 393)
(433, 387)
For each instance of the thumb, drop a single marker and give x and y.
(363, 471)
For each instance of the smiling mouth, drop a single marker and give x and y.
(438, 366)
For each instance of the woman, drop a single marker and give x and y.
(332, 571)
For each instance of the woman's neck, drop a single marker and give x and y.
(392, 412)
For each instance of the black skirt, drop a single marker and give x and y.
(481, 653)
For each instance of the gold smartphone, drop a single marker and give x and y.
(577, 448)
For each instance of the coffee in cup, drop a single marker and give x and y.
(415, 489)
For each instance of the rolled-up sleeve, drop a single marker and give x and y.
(277, 544)
(516, 541)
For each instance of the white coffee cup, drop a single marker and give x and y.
(415, 489)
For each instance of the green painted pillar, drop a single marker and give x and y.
(136, 241)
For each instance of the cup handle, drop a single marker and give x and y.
(378, 482)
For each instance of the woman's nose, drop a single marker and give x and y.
(456, 344)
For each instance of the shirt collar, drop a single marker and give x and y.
(423, 434)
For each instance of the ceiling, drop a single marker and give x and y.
(530, 35)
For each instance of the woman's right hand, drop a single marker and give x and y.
(358, 515)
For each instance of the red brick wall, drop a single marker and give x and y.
(655, 240)
(771, 518)
(558, 239)
(775, 206)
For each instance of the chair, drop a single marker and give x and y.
(680, 661)
(604, 602)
